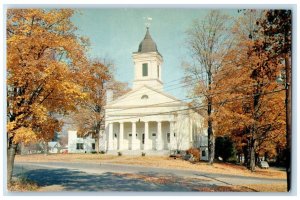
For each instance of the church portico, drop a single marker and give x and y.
(140, 135)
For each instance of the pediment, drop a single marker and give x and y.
(144, 96)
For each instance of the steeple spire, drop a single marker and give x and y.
(147, 44)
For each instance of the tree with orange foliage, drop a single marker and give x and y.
(276, 26)
(44, 60)
(250, 98)
(89, 118)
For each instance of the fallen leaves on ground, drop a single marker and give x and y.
(156, 161)
(221, 189)
(274, 187)
(162, 179)
(277, 187)
(151, 179)
(203, 187)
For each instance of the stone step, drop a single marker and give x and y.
(139, 152)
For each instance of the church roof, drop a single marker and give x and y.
(147, 45)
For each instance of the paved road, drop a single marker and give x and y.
(108, 177)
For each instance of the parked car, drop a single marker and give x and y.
(263, 164)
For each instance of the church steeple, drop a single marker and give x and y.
(147, 63)
(147, 45)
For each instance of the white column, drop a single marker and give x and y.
(121, 136)
(133, 137)
(146, 141)
(172, 138)
(159, 145)
(110, 136)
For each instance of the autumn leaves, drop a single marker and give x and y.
(240, 79)
(48, 74)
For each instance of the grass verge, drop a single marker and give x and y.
(22, 185)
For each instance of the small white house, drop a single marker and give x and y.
(54, 147)
(80, 144)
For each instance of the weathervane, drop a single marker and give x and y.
(148, 21)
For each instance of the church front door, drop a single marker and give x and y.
(130, 141)
(153, 138)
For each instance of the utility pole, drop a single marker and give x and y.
(288, 103)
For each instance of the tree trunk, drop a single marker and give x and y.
(11, 152)
(248, 153)
(97, 149)
(254, 130)
(252, 155)
(288, 102)
(211, 138)
(211, 143)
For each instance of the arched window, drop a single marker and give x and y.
(145, 97)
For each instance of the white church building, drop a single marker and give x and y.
(147, 119)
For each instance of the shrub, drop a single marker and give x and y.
(195, 152)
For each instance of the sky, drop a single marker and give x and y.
(115, 33)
